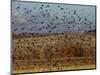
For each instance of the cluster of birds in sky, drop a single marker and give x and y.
(39, 17)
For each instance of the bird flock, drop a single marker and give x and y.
(35, 17)
(51, 18)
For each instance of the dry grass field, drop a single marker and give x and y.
(69, 51)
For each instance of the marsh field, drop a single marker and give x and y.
(54, 52)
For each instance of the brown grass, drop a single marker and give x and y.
(53, 53)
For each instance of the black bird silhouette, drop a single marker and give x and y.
(62, 8)
(22, 28)
(42, 22)
(49, 31)
(74, 12)
(25, 8)
(13, 22)
(85, 19)
(56, 17)
(58, 6)
(15, 29)
(17, 7)
(42, 5)
(47, 6)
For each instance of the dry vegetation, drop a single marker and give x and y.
(68, 51)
